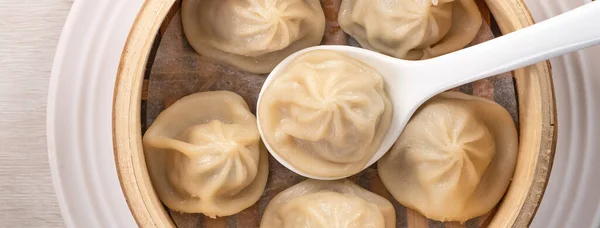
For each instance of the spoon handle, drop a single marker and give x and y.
(568, 32)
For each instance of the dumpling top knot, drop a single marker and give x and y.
(452, 138)
(260, 26)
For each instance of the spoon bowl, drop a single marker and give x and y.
(410, 83)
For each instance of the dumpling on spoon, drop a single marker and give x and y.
(326, 114)
(411, 29)
(340, 203)
(455, 158)
(204, 155)
(253, 35)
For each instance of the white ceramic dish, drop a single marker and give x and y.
(572, 198)
(79, 125)
(80, 135)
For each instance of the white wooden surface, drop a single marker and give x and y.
(29, 32)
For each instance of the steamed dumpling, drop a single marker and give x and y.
(326, 114)
(334, 204)
(204, 155)
(411, 29)
(253, 35)
(455, 158)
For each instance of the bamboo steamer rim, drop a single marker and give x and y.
(536, 105)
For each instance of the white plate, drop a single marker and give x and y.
(79, 120)
(79, 124)
(572, 198)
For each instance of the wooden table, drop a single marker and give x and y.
(30, 30)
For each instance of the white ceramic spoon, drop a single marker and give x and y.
(410, 83)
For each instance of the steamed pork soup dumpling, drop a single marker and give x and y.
(455, 158)
(335, 204)
(411, 29)
(253, 35)
(326, 114)
(204, 155)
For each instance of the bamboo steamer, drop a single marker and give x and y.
(536, 114)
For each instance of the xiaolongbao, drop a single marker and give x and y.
(340, 203)
(326, 114)
(411, 29)
(253, 35)
(455, 158)
(204, 155)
